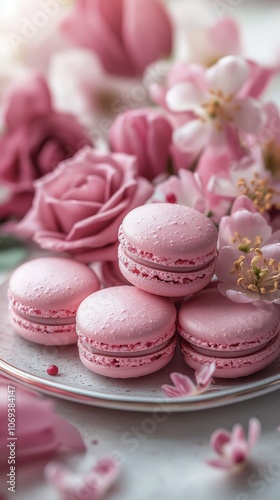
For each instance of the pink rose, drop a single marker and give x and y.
(36, 139)
(127, 35)
(79, 206)
(39, 431)
(146, 134)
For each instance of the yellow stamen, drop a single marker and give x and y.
(244, 244)
(260, 192)
(220, 108)
(271, 154)
(260, 275)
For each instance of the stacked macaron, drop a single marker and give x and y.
(167, 249)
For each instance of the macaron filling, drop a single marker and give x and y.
(132, 349)
(160, 274)
(35, 312)
(44, 321)
(140, 346)
(227, 353)
(133, 361)
(161, 261)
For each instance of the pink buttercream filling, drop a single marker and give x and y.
(125, 361)
(232, 362)
(30, 311)
(148, 257)
(137, 347)
(41, 327)
(167, 276)
(253, 344)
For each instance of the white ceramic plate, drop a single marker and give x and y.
(27, 363)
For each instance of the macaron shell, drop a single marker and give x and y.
(173, 235)
(127, 367)
(234, 367)
(43, 334)
(51, 287)
(211, 321)
(125, 315)
(164, 283)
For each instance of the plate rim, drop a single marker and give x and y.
(210, 399)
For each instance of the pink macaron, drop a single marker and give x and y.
(125, 332)
(44, 295)
(167, 249)
(240, 338)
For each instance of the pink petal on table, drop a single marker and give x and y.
(91, 485)
(220, 463)
(254, 432)
(218, 439)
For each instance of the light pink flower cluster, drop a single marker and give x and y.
(194, 131)
(232, 447)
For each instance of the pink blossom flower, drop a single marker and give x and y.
(244, 230)
(184, 189)
(127, 35)
(250, 277)
(161, 76)
(39, 431)
(216, 105)
(36, 139)
(248, 176)
(79, 206)
(147, 134)
(183, 385)
(233, 448)
(91, 485)
(208, 45)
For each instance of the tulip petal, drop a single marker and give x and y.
(147, 32)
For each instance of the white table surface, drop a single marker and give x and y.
(163, 456)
